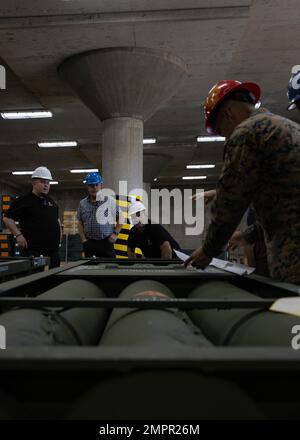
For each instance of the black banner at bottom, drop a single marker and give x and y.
(102, 430)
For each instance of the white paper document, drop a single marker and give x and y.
(238, 269)
(181, 255)
(291, 306)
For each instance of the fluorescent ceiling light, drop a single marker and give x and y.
(210, 139)
(27, 115)
(90, 170)
(193, 177)
(149, 141)
(53, 182)
(196, 167)
(57, 144)
(22, 173)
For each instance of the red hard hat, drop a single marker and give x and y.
(220, 91)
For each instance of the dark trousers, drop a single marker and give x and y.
(99, 248)
(53, 255)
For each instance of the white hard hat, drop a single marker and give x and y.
(41, 173)
(136, 207)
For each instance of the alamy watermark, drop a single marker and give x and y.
(2, 77)
(163, 206)
(295, 343)
(2, 338)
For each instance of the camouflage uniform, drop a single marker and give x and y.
(262, 166)
(254, 235)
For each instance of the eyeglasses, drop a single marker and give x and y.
(217, 125)
(239, 96)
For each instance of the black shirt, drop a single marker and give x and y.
(38, 218)
(150, 239)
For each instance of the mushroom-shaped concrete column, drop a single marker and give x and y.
(123, 86)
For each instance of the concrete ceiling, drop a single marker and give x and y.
(254, 40)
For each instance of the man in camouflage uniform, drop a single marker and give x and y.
(262, 167)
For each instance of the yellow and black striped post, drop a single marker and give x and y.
(121, 243)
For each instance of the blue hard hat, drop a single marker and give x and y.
(293, 92)
(93, 179)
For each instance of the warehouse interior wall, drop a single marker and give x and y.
(67, 200)
(10, 190)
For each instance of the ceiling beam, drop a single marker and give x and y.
(192, 14)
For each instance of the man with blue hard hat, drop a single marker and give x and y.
(293, 92)
(97, 215)
(93, 179)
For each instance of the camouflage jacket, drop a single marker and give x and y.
(262, 166)
(253, 233)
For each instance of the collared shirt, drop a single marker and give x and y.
(38, 218)
(262, 166)
(98, 218)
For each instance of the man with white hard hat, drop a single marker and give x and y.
(153, 239)
(39, 230)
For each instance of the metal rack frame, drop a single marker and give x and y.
(13, 294)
